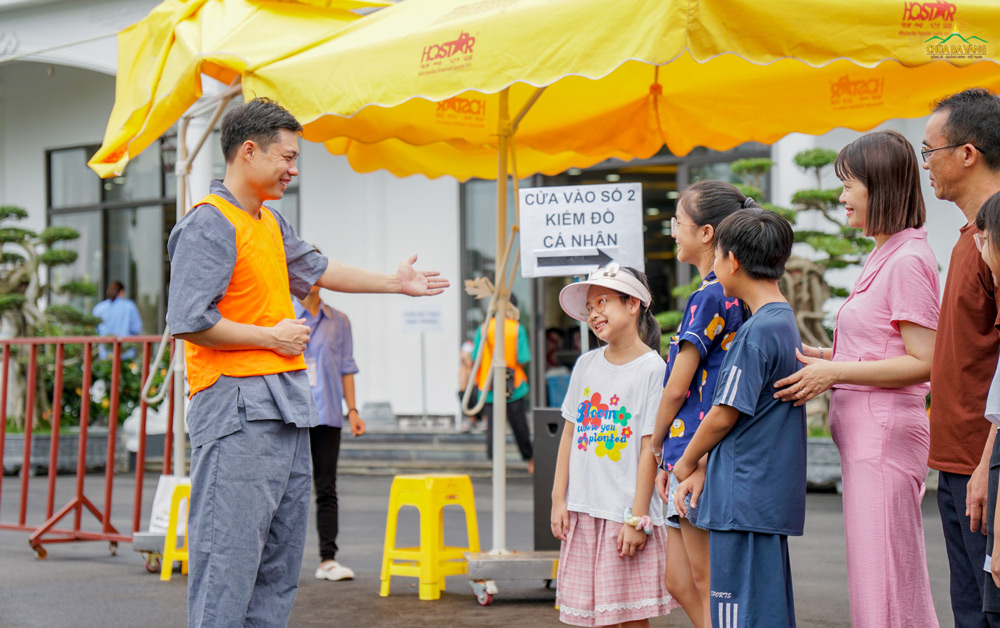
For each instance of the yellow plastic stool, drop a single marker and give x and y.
(171, 552)
(433, 560)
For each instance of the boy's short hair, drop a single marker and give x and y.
(760, 240)
(257, 120)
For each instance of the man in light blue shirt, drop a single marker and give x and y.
(330, 367)
(119, 317)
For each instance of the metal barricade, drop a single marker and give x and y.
(46, 532)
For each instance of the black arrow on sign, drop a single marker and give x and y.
(600, 259)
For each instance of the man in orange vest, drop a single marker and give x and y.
(517, 353)
(233, 263)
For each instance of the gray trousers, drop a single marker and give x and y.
(250, 495)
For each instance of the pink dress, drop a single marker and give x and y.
(884, 437)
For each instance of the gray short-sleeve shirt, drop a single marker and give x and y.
(202, 249)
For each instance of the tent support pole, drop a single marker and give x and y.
(499, 417)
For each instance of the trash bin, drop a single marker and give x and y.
(548, 431)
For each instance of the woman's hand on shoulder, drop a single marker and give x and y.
(816, 377)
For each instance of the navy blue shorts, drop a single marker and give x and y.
(751, 580)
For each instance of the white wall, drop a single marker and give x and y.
(374, 221)
(39, 112)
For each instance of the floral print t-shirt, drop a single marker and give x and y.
(610, 407)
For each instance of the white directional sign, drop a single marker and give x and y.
(421, 319)
(573, 230)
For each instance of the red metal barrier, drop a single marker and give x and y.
(47, 532)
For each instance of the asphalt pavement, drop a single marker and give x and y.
(80, 585)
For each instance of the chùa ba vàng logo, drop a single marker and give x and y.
(448, 55)
(955, 46)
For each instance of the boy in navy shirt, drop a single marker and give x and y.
(756, 445)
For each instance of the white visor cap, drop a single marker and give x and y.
(573, 298)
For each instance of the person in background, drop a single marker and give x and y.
(465, 364)
(331, 368)
(119, 317)
(517, 352)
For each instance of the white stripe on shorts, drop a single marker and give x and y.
(729, 615)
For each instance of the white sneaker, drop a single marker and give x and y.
(334, 571)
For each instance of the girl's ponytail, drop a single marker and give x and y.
(649, 329)
(709, 202)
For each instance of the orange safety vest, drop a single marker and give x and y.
(510, 329)
(258, 294)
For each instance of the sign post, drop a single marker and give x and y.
(422, 320)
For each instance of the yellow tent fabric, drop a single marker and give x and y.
(415, 88)
(162, 57)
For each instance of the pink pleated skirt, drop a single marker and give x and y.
(597, 587)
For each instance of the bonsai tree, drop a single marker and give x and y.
(26, 262)
(804, 283)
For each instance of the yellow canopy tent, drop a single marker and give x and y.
(417, 87)
(427, 86)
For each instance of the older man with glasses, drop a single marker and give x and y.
(961, 150)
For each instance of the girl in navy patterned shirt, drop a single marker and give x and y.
(709, 323)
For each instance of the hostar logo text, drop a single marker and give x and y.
(462, 45)
(924, 11)
(470, 106)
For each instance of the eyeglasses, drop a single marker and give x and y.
(597, 306)
(674, 223)
(925, 152)
(980, 239)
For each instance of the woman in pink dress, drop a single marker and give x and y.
(879, 368)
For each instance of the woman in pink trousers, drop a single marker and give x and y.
(879, 368)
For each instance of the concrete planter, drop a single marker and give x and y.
(69, 444)
(822, 464)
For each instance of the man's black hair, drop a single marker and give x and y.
(974, 118)
(258, 120)
(760, 240)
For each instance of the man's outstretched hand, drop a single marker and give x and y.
(419, 283)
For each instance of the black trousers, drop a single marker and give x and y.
(324, 442)
(517, 416)
(966, 554)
